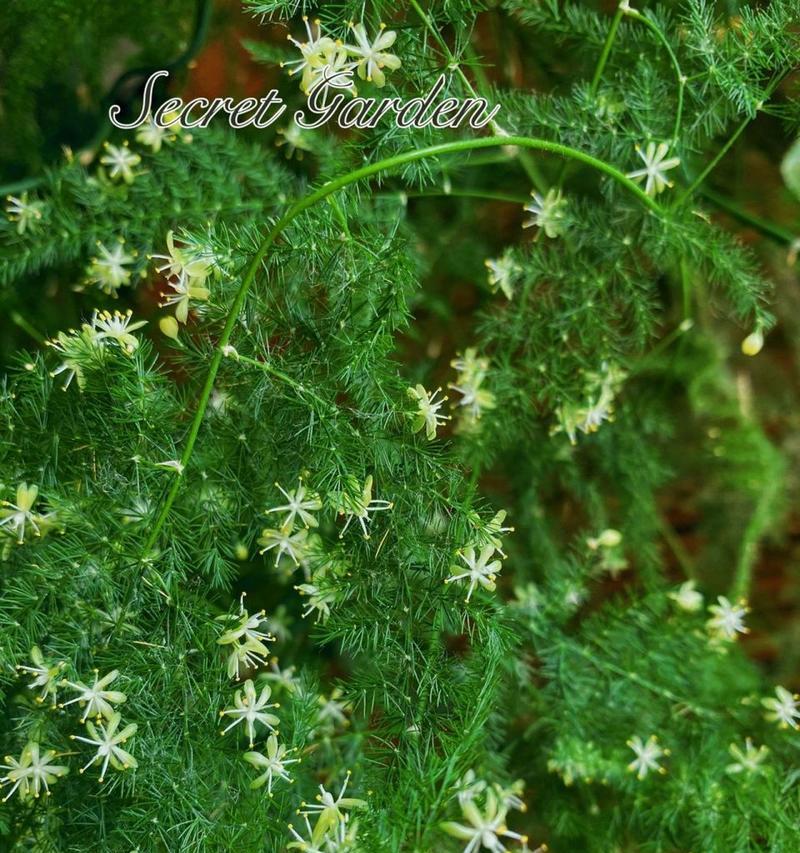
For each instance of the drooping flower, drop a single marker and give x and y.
(27, 214)
(656, 164)
(687, 597)
(107, 741)
(329, 811)
(475, 400)
(549, 213)
(373, 56)
(184, 290)
(32, 772)
(109, 270)
(45, 675)
(479, 569)
(300, 503)
(502, 272)
(484, 828)
(99, 701)
(250, 708)
(274, 764)
(749, 759)
(77, 348)
(783, 708)
(728, 619)
(195, 262)
(357, 503)
(284, 678)
(647, 754)
(246, 639)
(121, 162)
(427, 416)
(117, 327)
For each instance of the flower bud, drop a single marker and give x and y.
(169, 327)
(753, 343)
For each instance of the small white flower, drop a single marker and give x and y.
(687, 597)
(475, 400)
(728, 619)
(171, 465)
(106, 740)
(108, 271)
(479, 569)
(783, 708)
(502, 272)
(299, 504)
(251, 709)
(273, 764)
(77, 348)
(19, 517)
(117, 327)
(312, 53)
(485, 827)
(331, 710)
(656, 164)
(549, 213)
(357, 503)
(192, 261)
(45, 675)
(99, 701)
(373, 56)
(647, 755)
(121, 161)
(609, 538)
(427, 416)
(153, 136)
(26, 214)
(184, 290)
(329, 810)
(295, 140)
(247, 639)
(748, 760)
(319, 599)
(282, 541)
(31, 773)
(284, 678)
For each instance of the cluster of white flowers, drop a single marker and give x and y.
(472, 371)
(187, 269)
(20, 519)
(321, 54)
(597, 406)
(245, 640)
(78, 347)
(484, 809)
(34, 770)
(121, 163)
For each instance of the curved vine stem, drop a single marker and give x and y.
(310, 200)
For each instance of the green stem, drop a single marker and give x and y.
(23, 324)
(768, 229)
(488, 195)
(609, 43)
(713, 164)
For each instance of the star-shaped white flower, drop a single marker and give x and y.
(373, 56)
(656, 164)
(184, 289)
(783, 708)
(549, 213)
(728, 619)
(117, 327)
(647, 754)
(479, 569)
(274, 764)
(502, 273)
(107, 741)
(749, 759)
(312, 52)
(282, 541)
(687, 597)
(357, 503)
(250, 708)
(99, 701)
(329, 810)
(32, 772)
(45, 675)
(26, 214)
(485, 827)
(300, 503)
(121, 161)
(109, 270)
(427, 416)
(19, 517)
